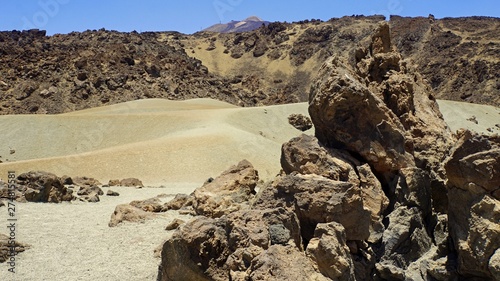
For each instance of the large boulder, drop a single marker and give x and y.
(284, 263)
(228, 192)
(43, 187)
(473, 171)
(226, 248)
(316, 199)
(347, 115)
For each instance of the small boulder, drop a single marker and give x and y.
(6, 247)
(131, 182)
(300, 122)
(112, 193)
(114, 182)
(126, 212)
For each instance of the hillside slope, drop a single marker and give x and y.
(274, 64)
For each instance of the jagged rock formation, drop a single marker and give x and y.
(270, 65)
(366, 199)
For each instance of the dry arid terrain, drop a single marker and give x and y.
(271, 65)
(165, 156)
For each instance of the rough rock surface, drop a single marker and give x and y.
(6, 248)
(329, 250)
(215, 249)
(316, 199)
(300, 122)
(226, 193)
(126, 212)
(43, 187)
(473, 171)
(383, 192)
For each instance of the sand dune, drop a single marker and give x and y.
(155, 140)
(161, 141)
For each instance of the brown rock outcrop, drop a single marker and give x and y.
(316, 199)
(43, 187)
(328, 249)
(473, 171)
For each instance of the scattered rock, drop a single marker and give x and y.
(85, 181)
(149, 205)
(179, 201)
(112, 193)
(126, 212)
(89, 189)
(6, 248)
(43, 187)
(131, 182)
(90, 198)
(473, 119)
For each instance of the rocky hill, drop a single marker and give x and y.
(271, 65)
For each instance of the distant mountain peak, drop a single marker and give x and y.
(253, 18)
(248, 24)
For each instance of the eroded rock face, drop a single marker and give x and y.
(379, 108)
(366, 199)
(474, 182)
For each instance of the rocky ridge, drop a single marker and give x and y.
(271, 65)
(365, 199)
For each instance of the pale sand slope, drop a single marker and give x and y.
(180, 144)
(157, 141)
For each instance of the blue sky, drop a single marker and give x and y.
(63, 16)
